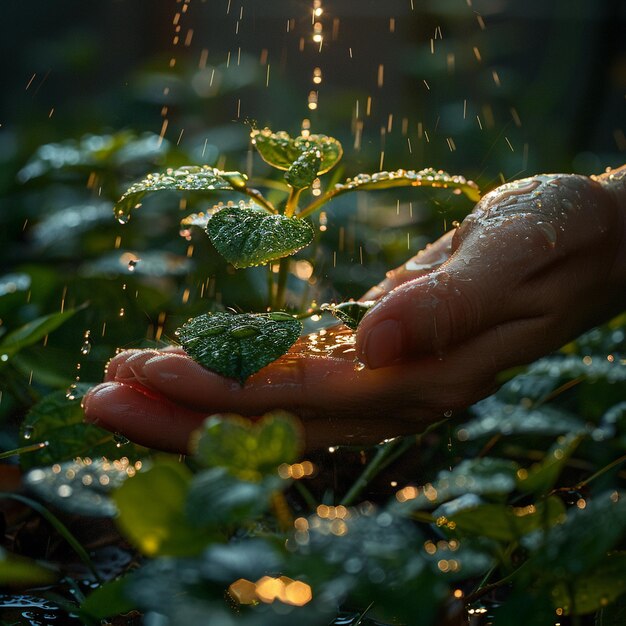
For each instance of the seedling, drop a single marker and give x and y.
(255, 232)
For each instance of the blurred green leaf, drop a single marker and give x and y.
(153, 515)
(59, 421)
(32, 332)
(582, 541)
(249, 235)
(216, 498)
(248, 450)
(280, 150)
(108, 600)
(594, 589)
(80, 487)
(499, 521)
(17, 571)
(238, 345)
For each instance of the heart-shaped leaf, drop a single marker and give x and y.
(248, 450)
(237, 346)
(303, 171)
(280, 150)
(249, 235)
(410, 178)
(350, 313)
(187, 178)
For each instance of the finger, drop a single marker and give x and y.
(141, 415)
(426, 260)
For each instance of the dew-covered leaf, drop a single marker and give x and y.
(410, 178)
(473, 476)
(238, 345)
(496, 417)
(248, 450)
(19, 571)
(249, 235)
(217, 498)
(186, 178)
(469, 516)
(350, 313)
(303, 171)
(595, 588)
(31, 333)
(280, 150)
(82, 486)
(542, 476)
(59, 421)
(153, 513)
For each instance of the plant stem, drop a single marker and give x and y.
(292, 201)
(270, 287)
(384, 453)
(259, 198)
(281, 289)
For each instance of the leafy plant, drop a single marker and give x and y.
(258, 233)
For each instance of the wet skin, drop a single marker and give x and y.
(537, 262)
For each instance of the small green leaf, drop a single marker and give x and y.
(595, 588)
(410, 178)
(187, 178)
(59, 421)
(350, 313)
(237, 346)
(280, 150)
(249, 235)
(303, 171)
(248, 450)
(152, 512)
(31, 333)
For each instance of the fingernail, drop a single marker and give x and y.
(383, 344)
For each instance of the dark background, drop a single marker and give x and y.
(103, 66)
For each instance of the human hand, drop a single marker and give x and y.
(537, 262)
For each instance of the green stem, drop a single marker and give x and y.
(381, 459)
(270, 287)
(281, 289)
(292, 201)
(33, 447)
(59, 526)
(601, 471)
(320, 201)
(258, 197)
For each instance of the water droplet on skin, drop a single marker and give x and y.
(28, 432)
(120, 440)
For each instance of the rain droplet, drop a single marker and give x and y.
(120, 440)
